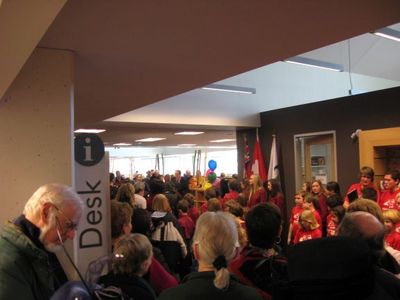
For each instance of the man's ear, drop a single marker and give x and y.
(45, 212)
(195, 248)
(146, 265)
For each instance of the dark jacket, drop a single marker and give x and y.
(133, 286)
(200, 286)
(264, 272)
(25, 269)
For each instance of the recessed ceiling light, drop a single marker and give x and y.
(222, 141)
(82, 130)
(189, 132)
(388, 33)
(151, 139)
(122, 144)
(309, 62)
(229, 88)
(186, 145)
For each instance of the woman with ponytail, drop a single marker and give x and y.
(215, 244)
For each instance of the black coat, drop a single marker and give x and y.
(132, 286)
(200, 286)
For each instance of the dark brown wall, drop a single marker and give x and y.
(374, 110)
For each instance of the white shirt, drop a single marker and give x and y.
(140, 201)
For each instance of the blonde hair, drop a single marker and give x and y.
(126, 193)
(130, 253)
(393, 215)
(308, 216)
(256, 182)
(161, 203)
(216, 235)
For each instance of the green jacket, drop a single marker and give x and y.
(24, 268)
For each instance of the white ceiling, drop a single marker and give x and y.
(148, 56)
(374, 65)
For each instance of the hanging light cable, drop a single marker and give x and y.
(349, 61)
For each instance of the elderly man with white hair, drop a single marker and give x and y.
(29, 269)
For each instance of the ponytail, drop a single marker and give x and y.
(221, 280)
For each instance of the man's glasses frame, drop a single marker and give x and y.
(69, 224)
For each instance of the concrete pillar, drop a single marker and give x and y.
(36, 129)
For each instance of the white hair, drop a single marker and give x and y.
(54, 193)
(216, 235)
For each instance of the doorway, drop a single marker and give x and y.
(315, 157)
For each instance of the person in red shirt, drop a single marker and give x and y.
(274, 193)
(295, 215)
(308, 204)
(233, 207)
(388, 197)
(208, 194)
(184, 220)
(234, 190)
(193, 212)
(391, 218)
(309, 228)
(319, 194)
(334, 200)
(260, 264)
(257, 192)
(334, 218)
(366, 181)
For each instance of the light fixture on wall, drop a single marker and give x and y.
(388, 33)
(310, 62)
(229, 88)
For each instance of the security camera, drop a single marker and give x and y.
(355, 134)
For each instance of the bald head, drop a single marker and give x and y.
(361, 224)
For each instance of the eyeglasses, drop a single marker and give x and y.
(69, 224)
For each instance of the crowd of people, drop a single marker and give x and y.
(168, 245)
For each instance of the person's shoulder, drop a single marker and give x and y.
(243, 292)
(177, 292)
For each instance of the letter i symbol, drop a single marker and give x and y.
(88, 150)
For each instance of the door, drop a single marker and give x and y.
(315, 157)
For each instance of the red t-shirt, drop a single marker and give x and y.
(330, 225)
(204, 207)
(318, 218)
(232, 195)
(302, 235)
(258, 197)
(187, 224)
(193, 213)
(294, 218)
(392, 239)
(387, 199)
(358, 187)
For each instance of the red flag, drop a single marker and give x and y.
(247, 161)
(258, 166)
